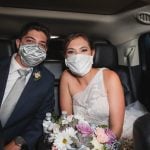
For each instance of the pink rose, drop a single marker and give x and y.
(101, 136)
(84, 129)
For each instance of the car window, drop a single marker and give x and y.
(144, 50)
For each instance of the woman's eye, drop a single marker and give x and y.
(70, 52)
(84, 50)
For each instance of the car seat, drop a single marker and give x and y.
(106, 56)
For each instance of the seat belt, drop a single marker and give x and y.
(127, 56)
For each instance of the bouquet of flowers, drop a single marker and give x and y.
(74, 133)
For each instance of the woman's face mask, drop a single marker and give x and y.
(31, 54)
(79, 64)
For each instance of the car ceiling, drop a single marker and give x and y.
(85, 6)
(96, 18)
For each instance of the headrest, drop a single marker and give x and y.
(6, 48)
(105, 55)
(55, 49)
(55, 66)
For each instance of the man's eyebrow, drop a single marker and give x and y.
(44, 42)
(30, 37)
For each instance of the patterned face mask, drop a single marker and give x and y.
(79, 64)
(32, 54)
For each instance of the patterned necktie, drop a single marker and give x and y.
(11, 100)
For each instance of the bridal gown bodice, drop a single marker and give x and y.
(92, 104)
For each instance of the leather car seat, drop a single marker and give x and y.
(106, 56)
(6, 48)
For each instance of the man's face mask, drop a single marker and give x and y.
(79, 64)
(31, 54)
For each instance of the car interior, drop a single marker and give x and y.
(120, 31)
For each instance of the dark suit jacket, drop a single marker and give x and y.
(37, 98)
(1, 138)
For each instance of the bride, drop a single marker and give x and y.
(94, 93)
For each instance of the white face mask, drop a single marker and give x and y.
(79, 64)
(31, 54)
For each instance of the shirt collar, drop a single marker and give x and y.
(14, 66)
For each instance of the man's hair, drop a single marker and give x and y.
(34, 26)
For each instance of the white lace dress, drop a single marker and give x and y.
(92, 104)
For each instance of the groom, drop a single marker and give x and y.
(22, 113)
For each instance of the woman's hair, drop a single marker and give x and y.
(77, 35)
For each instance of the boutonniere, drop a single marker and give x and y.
(37, 75)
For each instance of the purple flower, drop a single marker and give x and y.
(84, 129)
(111, 135)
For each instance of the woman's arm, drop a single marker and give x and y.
(65, 96)
(116, 101)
